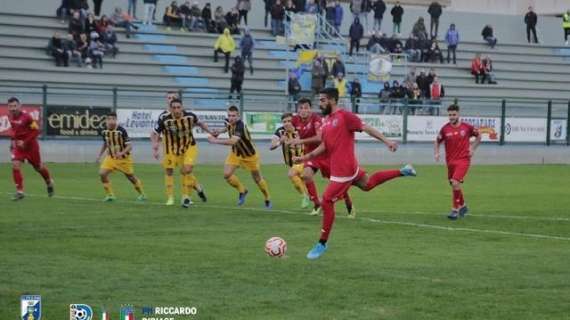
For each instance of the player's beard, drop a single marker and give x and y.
(327, 109)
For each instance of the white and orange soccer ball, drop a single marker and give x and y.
(276, 247)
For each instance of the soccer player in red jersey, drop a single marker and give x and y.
(308, 124)
(338, 143)
(458, 152)
(24, 147)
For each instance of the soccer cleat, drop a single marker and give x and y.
(305, 202)
(453, 215)
(141, 198)
(186, 202)
(18, 196)
(241, 198)
(268, 204)
(408, 171)
(170, 201)
(109, 198)
(463, 211)
(50, 189)
(316, 211)
(317, 251)
(202, 196)
(351, 212)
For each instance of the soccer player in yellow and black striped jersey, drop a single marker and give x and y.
(180, 148)
(242, 154)
(280, 138)
(118, 146)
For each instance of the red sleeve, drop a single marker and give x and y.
(33, 129)
(317, 123)
(440, 135)
(353, 122)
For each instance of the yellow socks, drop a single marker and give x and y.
(299, 184)
(139, 186)
(233, 181)
(169, 184)
(264, 188)
(108, 188)
(188, 184)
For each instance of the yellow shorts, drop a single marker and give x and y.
(123, 165)
(298, 168)
(172, 161)
(248, 163)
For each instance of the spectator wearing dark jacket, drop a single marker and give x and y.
(300, 5)
(318, 76)
(355, 94)
(452, 39)
(338, 15)
(57, 49)
(277, 17)
(337, 68)
(207, 17)
(268, 6)
(397, 13)
(434, 53)
(379, 7)
(434, 11)
(355, 34)
(238, 71)
(75, 26)
(423, 83)
(488, 36)
(419, 30)
(97, 7)
(246, 45)
(172, 16)
(293, 87)
(411, 48)
(531, 19)
(375, 43)
(70, 48)
(330, 14)
(232, 19)
(394, 45)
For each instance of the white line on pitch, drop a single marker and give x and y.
(402, 223)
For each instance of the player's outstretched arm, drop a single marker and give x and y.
(374, 133)
(318, 151)
(227, 142)
(204, 126)
(275, 142)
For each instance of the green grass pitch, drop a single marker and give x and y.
(400, 259)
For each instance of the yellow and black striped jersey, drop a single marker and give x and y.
(116, 140)
(244, 147)
(289, 151)
(177, 133)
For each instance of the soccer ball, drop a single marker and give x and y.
(276, 247)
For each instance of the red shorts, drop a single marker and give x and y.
(336, 190)
(457, 170)
(321, 164)
(31, 154)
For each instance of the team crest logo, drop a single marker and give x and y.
(127, 312)
(334, 122)
(80, 312)
(462, 133)
(31, 306)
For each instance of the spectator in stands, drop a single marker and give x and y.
(488, 36)
(220, 19)
(394, 45)
(57, 49)
(355, 93)
(268, 7)
(531, 19)
(75, 26)
(355, 8)
(436, 90)
(247, 44)
(238, 71)
(411, 48)
(326, 68)
(340, 84)
(132, 9)
(338, 67)
(62, 11)
(355, 34)
(243, 7)
(207, 18)
(195, 21)
(91, 23)
(398, 92)
(330, 15)
(232, 18)
(149, 7)
(434, 53)
(477, 68)
(431, 75)
(565, 25)
(96, 50)
(423, 83)
(102, 24)
(366, 9)
(124, 20)
(375, 43)
(300, 5)
(224, 44)
(293, 87)
(109, 40)
(172, 17)
(277, 16)
(384, 96)
(70, 48)
(452, 39)
(397, 13)
(184, 12)
(311, 7)
(338, 15)
(424, 46)
(434, 11)
(419, 29)
(488, 69)
(411, 76)
(82, 46)
(318, 76)
(290, 9)
(97, 7)
(379, 7)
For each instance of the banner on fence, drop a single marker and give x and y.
(5, 129)
(303, 29)
(426, 128)
(75, 121)
(558, 129)
(391, 126)
(525, 130)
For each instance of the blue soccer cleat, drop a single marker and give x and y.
(241, 198)
(317, 251)
(408, 171)
(453, 215)
(268, 204)
(463, 211)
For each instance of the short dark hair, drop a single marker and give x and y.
(172, 92)
(286, 115)
(453, 107)
(112, 114)
(304, 100)
(175, 100)
(331, 93)
(13, 99)
(233, 108)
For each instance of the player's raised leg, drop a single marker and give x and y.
(367, 183)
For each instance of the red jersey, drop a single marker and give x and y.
(338, 136)
(456, 140)
(24, 127)
(308, 129)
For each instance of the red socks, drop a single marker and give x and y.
(458, 200)
(45, 174)
(381, 177)
(18, 179)
(313, 194)
(328, 219)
